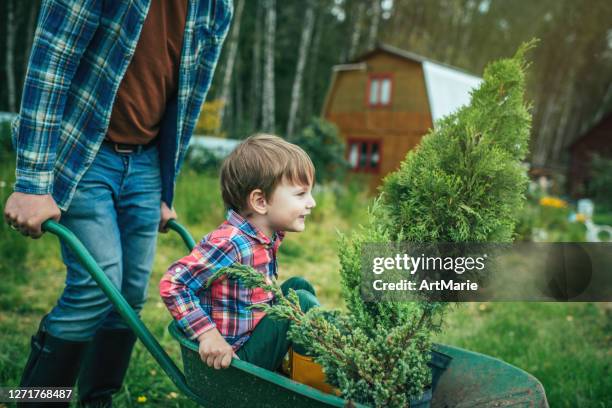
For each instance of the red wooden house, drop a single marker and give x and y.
(386, 100)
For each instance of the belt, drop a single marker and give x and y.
(125, 148)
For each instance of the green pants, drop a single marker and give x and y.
(268, 343)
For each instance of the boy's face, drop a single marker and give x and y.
(288, 207)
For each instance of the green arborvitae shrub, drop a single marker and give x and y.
(463, 183)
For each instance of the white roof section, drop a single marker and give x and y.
(447, 89)
(218, 146)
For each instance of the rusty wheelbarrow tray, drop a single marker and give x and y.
(470, 379)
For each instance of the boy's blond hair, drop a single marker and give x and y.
(262, 161)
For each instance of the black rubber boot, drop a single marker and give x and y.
(104, 366)
(53, 362)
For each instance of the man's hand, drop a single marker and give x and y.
(26, 212)
(167, 214)
(214, 350)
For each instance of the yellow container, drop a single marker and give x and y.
(304, 370)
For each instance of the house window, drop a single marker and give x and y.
(379, 92)
(364, 155)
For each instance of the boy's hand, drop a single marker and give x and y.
(214, 350)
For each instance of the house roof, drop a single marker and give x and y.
(404, 54)
(448, 87)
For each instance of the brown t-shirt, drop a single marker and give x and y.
(152, 76)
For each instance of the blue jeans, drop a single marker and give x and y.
(115, 213)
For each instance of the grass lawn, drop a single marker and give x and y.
(568, 347)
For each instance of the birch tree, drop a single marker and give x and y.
(355, 36)
(268, 114)
(11, 27)
(238, 94)
(296, 92)
(309, 103)
(231, 58)
(256, 70)
(376, 14)
(30, 33)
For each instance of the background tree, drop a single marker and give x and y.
(296, 91)
(357, 21)
(600, 187)
(374, 23)
(231, 57)
(11, 29)
(269, 91)
(320, 139)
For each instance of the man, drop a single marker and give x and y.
(111, 97)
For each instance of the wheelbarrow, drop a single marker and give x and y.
(469, 380)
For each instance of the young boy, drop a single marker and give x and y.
(266, 186)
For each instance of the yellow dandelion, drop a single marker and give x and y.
(141, 399)
(569, 318)
(172, 395)
(580, 217)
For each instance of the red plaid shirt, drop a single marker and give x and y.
(224, 304)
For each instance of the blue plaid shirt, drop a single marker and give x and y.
(80, 53)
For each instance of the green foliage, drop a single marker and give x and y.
(326, 203)
(350, 201)
(600, 186)
(548, 218)
(202, 160)
(554, 223)
(6, 144)
(387, 334)
(209, 122)
(198, 198)
(602, 218)
(351, 196)
(13, 246)
(290, 249)
(320, 139)
(13, 249)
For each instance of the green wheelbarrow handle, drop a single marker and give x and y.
(182, 231)
(122, 306)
